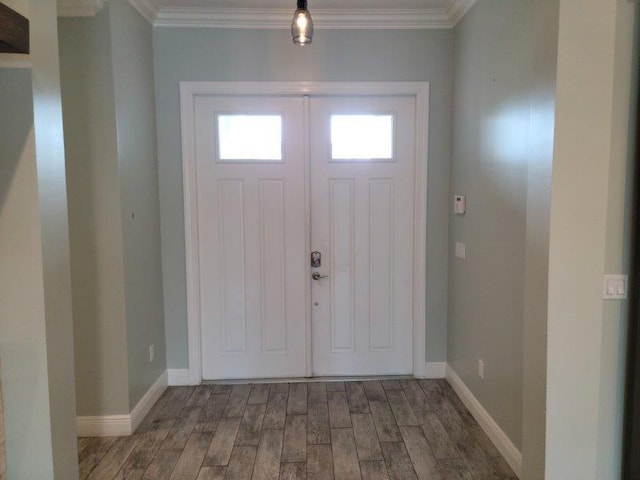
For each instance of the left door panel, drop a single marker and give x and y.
(251, 234)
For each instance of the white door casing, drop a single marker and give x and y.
(191, 94)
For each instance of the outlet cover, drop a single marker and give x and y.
(151, 353)
(481, 368)
(461, 250)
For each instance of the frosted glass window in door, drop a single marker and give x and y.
(362, 137)
(249, 138)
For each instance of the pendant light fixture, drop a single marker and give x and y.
(302, 25)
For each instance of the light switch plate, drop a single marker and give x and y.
(461, 250)
(616, 287)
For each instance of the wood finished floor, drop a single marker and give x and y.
(374, 430)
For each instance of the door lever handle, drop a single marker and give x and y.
(317, 276)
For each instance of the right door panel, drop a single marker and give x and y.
(362, 200)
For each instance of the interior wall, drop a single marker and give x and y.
(590, 214)
(109, 113)
(95, 227)
(536, 277)
(36, 346)
(132, 50)
(269, 55)
(492, 113)
(620, 211)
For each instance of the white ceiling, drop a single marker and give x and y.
(327, 14)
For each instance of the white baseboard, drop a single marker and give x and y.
(436, 370)
(500, 439)
(178, 377)
(148, 400)
(104, 426)
(122, 425)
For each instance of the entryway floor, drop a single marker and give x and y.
(376, 429)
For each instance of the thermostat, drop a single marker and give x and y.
(459, 204)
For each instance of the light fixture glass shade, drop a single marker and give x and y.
(302, 25)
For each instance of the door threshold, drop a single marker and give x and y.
(348, 378)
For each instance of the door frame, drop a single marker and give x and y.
(189, 91)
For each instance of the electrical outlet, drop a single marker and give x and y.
(481, 368)
(461, 250)
(151, 352)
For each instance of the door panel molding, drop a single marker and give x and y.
(189, 91)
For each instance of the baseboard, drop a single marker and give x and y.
(104, 426)
(436, 370)
(178, 377)
(500, 439)
(148, 400)
(122, 425)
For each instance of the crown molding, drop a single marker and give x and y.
(328, 19)
(280, 18)
(458, 9)
(147, 8)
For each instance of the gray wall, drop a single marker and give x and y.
(224, 55)
(132, 50)
(94, 215)
(493, 52)
(590, 213)
(36, 347)
(109, 113)
(536, 275)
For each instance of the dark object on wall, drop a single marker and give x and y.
(14, 31)
(631, 446)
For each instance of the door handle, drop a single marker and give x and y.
(317, 276)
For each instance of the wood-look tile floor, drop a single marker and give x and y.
(370, 430)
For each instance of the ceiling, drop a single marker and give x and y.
(327, 14)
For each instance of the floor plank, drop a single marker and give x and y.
(438, 438)
(358, 402)
(319, 462)
(297, 404)
(318, 431)
(374, 470)
(190, 461)
(374, 390)
(339, 416)
(385, 422)
(251, 425)
(345, 455)
(364, 431)
(259, 393)
(316, 393)
(294, 448)
(162, 465)
(113, 460)
(212, 412)
(401, 408)
(212, 473)
(221, 446)
(424, 463)
(398, 463)
(241, 463)
(267, 466)
(276, 412)
(180, 432)
(293, 471)
(237, 401)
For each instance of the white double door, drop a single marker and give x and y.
(320, 185)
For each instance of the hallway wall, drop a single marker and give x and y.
(269, 55)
